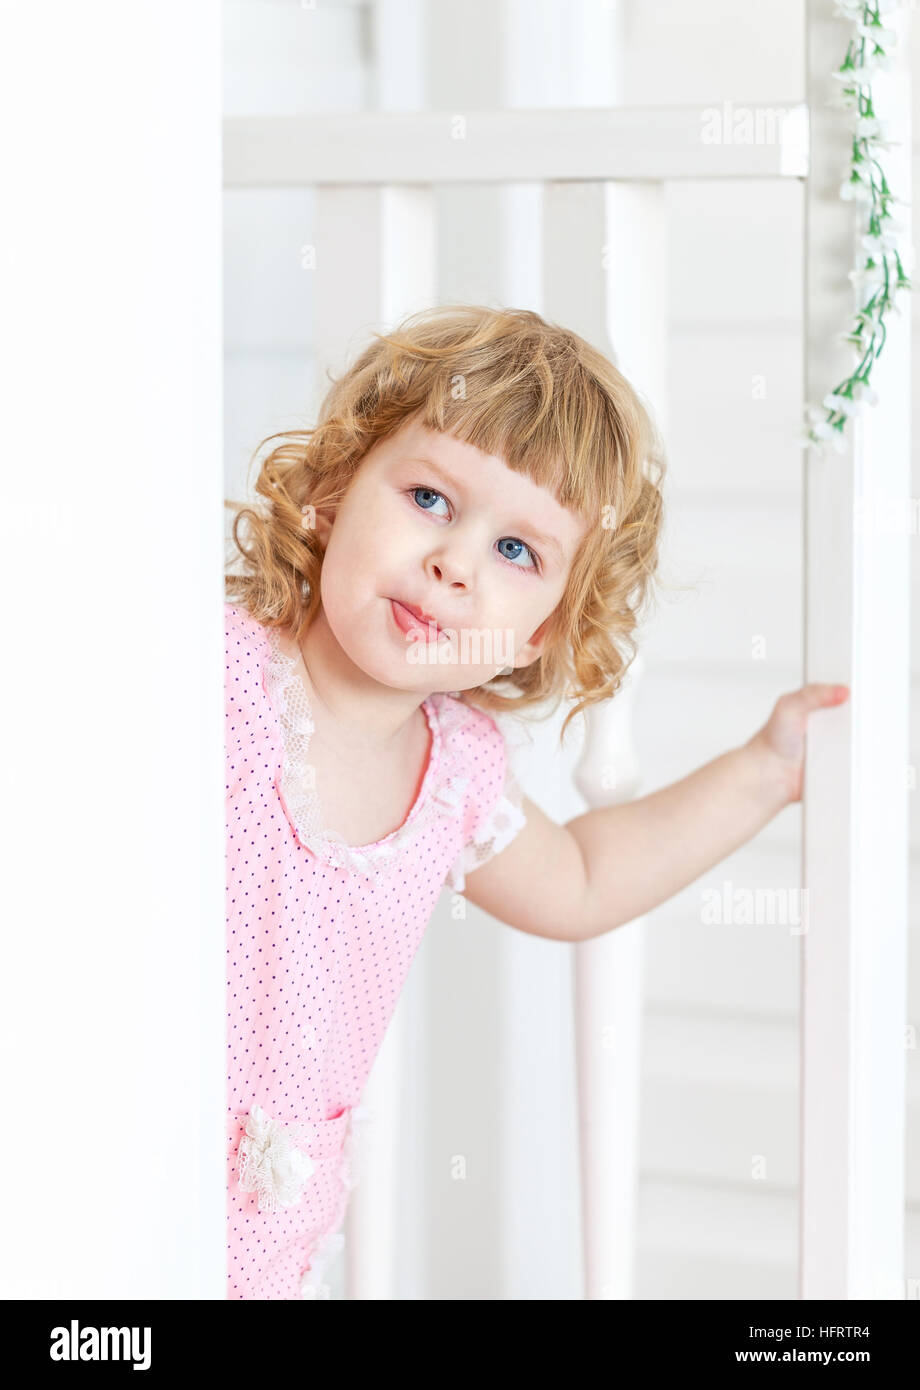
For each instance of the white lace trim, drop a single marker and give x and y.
(507, 816)
(286, 691)
(313, 1284)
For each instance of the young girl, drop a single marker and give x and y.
(471, 529)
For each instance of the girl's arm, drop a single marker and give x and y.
(604, 868)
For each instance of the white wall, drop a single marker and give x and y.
(112, 1000)
(720, 1063)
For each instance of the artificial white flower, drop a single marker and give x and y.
(843, 404)
(869, 276)
(880, 243)
(885, 38)
(864, 392)
(864, 73)
(856, 192)
(270, 1164)
(876, 133)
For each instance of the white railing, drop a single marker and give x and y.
(601, 173)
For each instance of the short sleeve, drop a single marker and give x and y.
(498, 818)
(247, 726)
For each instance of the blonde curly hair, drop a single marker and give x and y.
(531, 392)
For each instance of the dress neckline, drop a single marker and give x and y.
(289, 698)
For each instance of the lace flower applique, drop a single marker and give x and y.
(270, 1164)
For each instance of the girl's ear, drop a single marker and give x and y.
(535, 644)
(324, 520)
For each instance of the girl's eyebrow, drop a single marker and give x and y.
(549, 542)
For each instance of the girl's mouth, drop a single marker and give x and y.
(407, 621)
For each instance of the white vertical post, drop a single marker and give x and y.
(608, 1014)
(604, 264)
(375, 262)
(112, 1005)
(855, 796)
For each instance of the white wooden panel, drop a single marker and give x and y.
(398, 70)
(743, 1223)
(731, 965)
(639, 143)
(291, 58)
(563, 55)
(708, 1241)
(736, 569)
(855, 803)
(718, 1132)
(662, 1274)
(112, 1007)
(375, 262)
(735, 408)
(264, 392)
(268, 279)
(716, 1129)
(720, 1101)
(738, 255)
(719, 1097)
(912, 1241)
(684, 53)
(716, 712)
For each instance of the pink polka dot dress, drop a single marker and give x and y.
(320, 937)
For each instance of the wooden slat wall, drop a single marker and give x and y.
(712, 995)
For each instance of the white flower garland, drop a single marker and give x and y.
(882, 273)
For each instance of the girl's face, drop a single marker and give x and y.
(434, 523)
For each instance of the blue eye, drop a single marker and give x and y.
(429, 497)
(426, 492)
(509, 540)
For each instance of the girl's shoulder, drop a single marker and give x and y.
(247, 649)
(467, 732)
(246, 655)
(489, 753)
(488, 748)
(241, 629)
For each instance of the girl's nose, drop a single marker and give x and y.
(452, 567)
